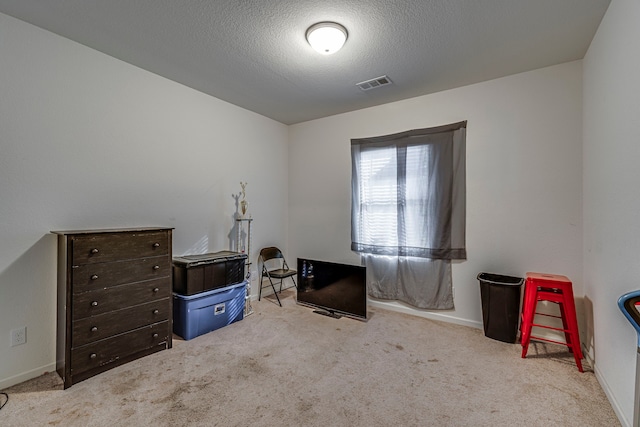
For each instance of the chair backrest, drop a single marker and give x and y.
(270, 253)
(272, 259)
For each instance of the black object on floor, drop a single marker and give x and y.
(500, 305)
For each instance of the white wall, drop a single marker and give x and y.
(611, 202)
(524, 171)
(89, 141)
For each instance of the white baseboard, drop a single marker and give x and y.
(426, 314)
(24, 376)
(607, 391)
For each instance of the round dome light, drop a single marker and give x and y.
(326, 37)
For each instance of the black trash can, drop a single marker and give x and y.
(500, 305)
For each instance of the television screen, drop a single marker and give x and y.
(335, 289)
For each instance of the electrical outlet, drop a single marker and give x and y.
(18, 336)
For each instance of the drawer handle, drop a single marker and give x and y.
(94, 251)
(94, 329)
(155, 335)
(156, 290)
(156, 267)
(93, 355)
(94, 277)
(94, 303)
(156, 311)
(156, 245)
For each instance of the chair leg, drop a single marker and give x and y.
(272, 287)
(263, 273)
(274, 290)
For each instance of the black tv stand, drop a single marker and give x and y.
(328, 313)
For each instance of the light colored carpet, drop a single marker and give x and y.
(290, 367)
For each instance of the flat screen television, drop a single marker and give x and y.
(333, 289)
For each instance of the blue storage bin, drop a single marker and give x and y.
(198, 314)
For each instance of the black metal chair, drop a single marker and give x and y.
(274, 267)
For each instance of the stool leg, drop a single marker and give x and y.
(572, 322)
(567, 328)
(578, 361)
(575, 343)
(528, 311)
(571, 334)
(523, 309)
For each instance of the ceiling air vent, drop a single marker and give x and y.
(374, 83)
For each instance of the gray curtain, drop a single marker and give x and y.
(408, 212)
(420, 282)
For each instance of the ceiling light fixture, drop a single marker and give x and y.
(326, 37)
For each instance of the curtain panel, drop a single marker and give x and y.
(408, 212)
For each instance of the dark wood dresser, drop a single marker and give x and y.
(114, 298)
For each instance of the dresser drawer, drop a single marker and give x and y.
(103, 301)
(103, 275)
(119, 246)
(112, 349)
(95, 328)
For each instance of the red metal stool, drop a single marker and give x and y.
(556, 289)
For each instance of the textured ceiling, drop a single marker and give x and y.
(252, 53)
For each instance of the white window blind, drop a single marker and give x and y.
(384, 195)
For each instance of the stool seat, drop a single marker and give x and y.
(556, 289)
(545, 277)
